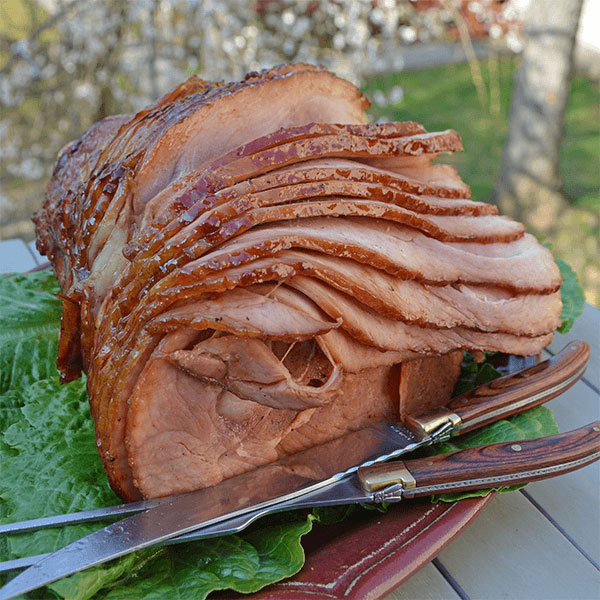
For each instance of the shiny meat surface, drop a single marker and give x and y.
(250, 269)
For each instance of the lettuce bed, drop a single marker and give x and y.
(49, 465)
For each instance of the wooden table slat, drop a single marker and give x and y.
(39, 259)
(15, 257)
(512, 551)
(426, 584)
(576, 407)
(572, 500)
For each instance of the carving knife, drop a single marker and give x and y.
(317, 471)
(483, 467)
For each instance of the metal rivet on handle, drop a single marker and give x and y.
(516, 447)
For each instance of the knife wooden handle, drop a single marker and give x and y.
(514, 393)
(490, 466)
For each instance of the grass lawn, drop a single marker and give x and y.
(446, 98)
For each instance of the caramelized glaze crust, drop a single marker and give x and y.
(250, 269)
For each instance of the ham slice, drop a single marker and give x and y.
(185, 191)
(250, 269)
(424, 381)
(384, 333)
(522, 265)
(220, 435)
(477, 307)
(247, 314)
(295, 145)
(472, 306)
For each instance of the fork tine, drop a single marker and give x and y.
(96, 514)
(229, 526)
(20, 563)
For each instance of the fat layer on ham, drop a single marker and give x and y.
(251, 269)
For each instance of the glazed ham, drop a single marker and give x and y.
(251, 269)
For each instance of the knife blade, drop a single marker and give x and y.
(483, 467)
(316, 468)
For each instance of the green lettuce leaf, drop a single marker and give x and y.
(244, 563)
(571, 294)
(49, 465)
(473, 373)
(572, 297)
(29, 324)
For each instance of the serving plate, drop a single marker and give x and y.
(367, 557)
(372, 556)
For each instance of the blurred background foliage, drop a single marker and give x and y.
(64, 64)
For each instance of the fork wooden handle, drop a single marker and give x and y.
(514, 393)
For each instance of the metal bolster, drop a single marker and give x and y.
(431, 422)
(379, 477)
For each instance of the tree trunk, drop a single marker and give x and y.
(529, 184)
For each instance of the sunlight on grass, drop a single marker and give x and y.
(445, 98)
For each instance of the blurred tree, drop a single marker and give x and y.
(529, 183)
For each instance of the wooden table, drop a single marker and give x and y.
(539, 543)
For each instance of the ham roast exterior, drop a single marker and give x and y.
(250, 269)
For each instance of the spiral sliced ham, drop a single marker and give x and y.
(250, 269)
